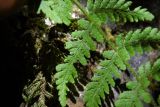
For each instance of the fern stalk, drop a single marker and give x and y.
(91, 20)
(81, 8)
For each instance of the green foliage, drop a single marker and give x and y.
(120, 49)
(118, 10)
(156, 70)
(66, 73)
(148, 34)
(57, 10)
(95, 90)
(110, 68)
(79, 51)
(138, 90)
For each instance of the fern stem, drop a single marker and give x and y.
(81, 8)
(132, 71)
(91, 20)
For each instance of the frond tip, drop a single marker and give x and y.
(66, 74)
(148, 34)
(118, 10)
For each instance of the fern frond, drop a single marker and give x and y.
(109, 69)
(118, 10)
(66, 73)
(84, 40)
(148, 34)
(116, 60)
(95, 90)
(138, 92)
(79, 51)
(135, 39)
(84, 35)
(37, 89)
(156, 70)
(57, 10)
(91, 29)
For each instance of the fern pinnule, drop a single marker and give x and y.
(58, 11)
(118, 10)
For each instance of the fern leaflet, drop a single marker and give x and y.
(137, 91)
(57, 10)
(118, 10)
(156, 70)
(37, 89)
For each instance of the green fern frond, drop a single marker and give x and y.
(148, 34)
(66, 73)
(109, 69)
(118, 10)
(134, 39)
(116, 59)
(84, 39)
(91, 30)
(78, 51)
(138, 92)
(121, 50)
(95, 90)
(156, 70)
(84, 35)
(57, 10)
(37, 89)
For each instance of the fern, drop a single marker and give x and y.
(138, 92)
(37, 89)
(66, 73)
(57, 10)
(118, 10)
(156, 70)
(148, 34)
(133, 39)
(116, 58)
(79, 51)
(110, 68)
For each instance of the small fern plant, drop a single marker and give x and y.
(116, 56)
